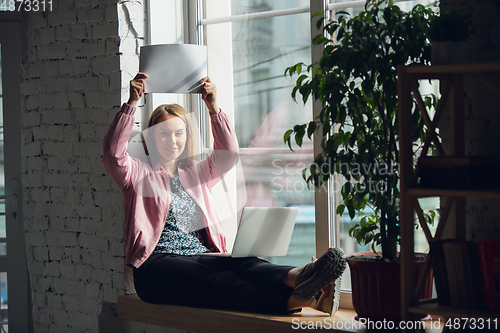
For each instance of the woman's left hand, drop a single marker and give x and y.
(209, 95)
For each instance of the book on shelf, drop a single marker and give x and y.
(489, 257)
(440, 273)
(458, 273)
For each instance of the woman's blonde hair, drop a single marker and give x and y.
(186, 158)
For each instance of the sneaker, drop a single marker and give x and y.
(328, 299)
(318, 274)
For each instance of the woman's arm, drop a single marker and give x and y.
(226, 148)
(114, 156)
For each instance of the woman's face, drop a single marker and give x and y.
(170, 137)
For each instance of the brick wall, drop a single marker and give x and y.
(75, 61)
(482, 119)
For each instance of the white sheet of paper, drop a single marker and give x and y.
(173, 68)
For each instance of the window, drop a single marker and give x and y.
(250, 43)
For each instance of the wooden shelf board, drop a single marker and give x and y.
(431, 192)
(131, 307)
(433, 308)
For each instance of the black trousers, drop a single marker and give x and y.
(241, 284)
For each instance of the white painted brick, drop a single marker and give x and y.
(81, 66)
(56, 254)
(93, 99)
(62, 17)
(57, 117)
(113, 215)
(112, 99)
(73, 253)
(57, 148)
(88, 133)
(90, 16)
(82, 272)
(117, 249)
(87, 148)
(112, 263)
(59, 238)
(103, 182)
(72, 223)
(35, 70)
(103, 82)
(52, 269)
(46, 52)
(46, 102)
(62, 321)
(111, 14)
(112, 45)
(34, 163)
(88, 225)
(105, 30)
(57, 194)
(28, 87)
(87, 199)
(39, 299)
(61, 101)
(57, 223)
(36, 268)
(59, 209)
(47, 35)
(79, 32)
(83, 83)
(106, 64)
(54, 300)
(32, 180)
(37, 21)
(68, 287)
(67, 271)
(80, 181)
(85, 165)
(40, 133)
(65, 67)
(84, 48)
(58, 164)
(96, 116)
(40, 195)
(50, 68)
(90, 212)
(110, 295)
(41, 253)
(102, 276)
(97, 166)
(30, 119)
(63, 33)
(31, 149)
(35, 239)
(70, 133)
(101, 47)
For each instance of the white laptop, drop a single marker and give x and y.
(263, 232)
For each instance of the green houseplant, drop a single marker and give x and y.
(356, 81)
(448, 31)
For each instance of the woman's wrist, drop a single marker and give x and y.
(213, 108)
(132, 102)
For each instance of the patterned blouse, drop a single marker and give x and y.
(180, 234)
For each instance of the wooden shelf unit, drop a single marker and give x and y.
(451, 80)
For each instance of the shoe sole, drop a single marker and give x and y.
(329, 269)
(330, 303)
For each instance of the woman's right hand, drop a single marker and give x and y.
(137, 87)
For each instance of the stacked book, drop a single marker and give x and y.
(467, 274)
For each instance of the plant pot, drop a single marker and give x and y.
(376, 291)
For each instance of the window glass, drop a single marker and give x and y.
(261, 50)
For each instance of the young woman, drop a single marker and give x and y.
(171, 217)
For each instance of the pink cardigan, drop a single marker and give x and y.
(146, 189)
